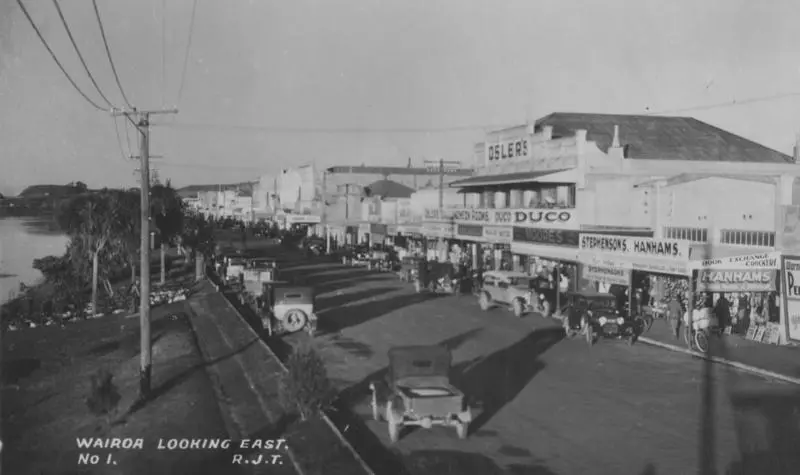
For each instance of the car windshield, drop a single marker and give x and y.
(520, 282)
(602, 304)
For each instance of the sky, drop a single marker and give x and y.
(266, 81)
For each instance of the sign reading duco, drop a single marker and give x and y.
(517, 217)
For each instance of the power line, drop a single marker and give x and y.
(80, 56)
(110, 60)
(323, 130)
(53, 55)
(188, 52)
(163, 51)
(119, 140)
(732, 103)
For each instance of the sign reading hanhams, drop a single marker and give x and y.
(736, 280)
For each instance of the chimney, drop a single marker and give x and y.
(796, 157)
(580, 135)
(615, 141)
(547, 132)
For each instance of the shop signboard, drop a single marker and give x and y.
(497, 234)
(766, 260)
(666, 256)
(551, 237)
(435, 214)
(544, 217)
(438, 230)
(791, 297)
(303, 219)
(512, 148)
(470, 230)
(736, 280)
(608, 275)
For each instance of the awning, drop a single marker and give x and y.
(505, 179)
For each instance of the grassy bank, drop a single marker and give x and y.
(46, 381)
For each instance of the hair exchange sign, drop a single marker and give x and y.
(515, 217)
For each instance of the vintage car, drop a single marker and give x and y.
(418, 392)
(596, 315)
(287, 308)
(510, 288)
(409, 268)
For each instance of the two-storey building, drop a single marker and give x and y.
(640, 201)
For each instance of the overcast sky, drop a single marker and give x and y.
(367, 64)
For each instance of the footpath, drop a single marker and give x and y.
(245, 375)
(771, 361)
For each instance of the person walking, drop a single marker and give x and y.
(674, 314)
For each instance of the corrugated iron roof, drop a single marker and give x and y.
(390, 189)
(662, 138)
(506, 178)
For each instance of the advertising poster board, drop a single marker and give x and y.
(790, 313)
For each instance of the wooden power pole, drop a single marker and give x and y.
(141, 120)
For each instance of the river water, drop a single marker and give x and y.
(21, 241)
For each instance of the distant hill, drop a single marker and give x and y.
(192, 190)
(49, 191)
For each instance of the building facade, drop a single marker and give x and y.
(633, 201)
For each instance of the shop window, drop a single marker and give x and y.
(747, 238)
(686, 234)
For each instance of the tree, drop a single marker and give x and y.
(94, 222)
(167, 210)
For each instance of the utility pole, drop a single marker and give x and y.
(141, 120)
(440, 167)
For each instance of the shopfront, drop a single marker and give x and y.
(744, 293)
(658, 268)
(439, 236)
(549, 253)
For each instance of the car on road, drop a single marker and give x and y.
(288, 309)
(420, 393)
(508, 288)
(596, 315)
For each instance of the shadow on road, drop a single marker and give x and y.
(337, 319)
(495, 380)
(327, 304)
(768, 432)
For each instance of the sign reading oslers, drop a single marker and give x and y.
(515, 148)
(635, 246)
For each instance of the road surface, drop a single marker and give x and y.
(544, 404)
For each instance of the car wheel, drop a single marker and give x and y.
(462, 428)
(295, 320)
(484, 301)
(519, 308)
(701, 341)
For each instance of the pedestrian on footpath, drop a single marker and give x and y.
(675, 312)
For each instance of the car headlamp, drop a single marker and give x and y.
(620, 321)
(603, 320)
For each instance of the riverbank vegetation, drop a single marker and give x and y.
(95, 274)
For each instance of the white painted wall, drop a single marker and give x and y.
(721, 203)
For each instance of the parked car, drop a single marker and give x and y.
(420, 393)
(596, 315)
(288, 309)
(508, 288)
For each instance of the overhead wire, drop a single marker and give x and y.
(119, 140)
(732, 103)
(332, 130)
(80, 56)
(55, 58)
(108, 54)
(163, 51)
(187, 53)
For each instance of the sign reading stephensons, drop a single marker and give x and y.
(735, 280)
(635, 246)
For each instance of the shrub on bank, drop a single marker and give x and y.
(305, 387)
